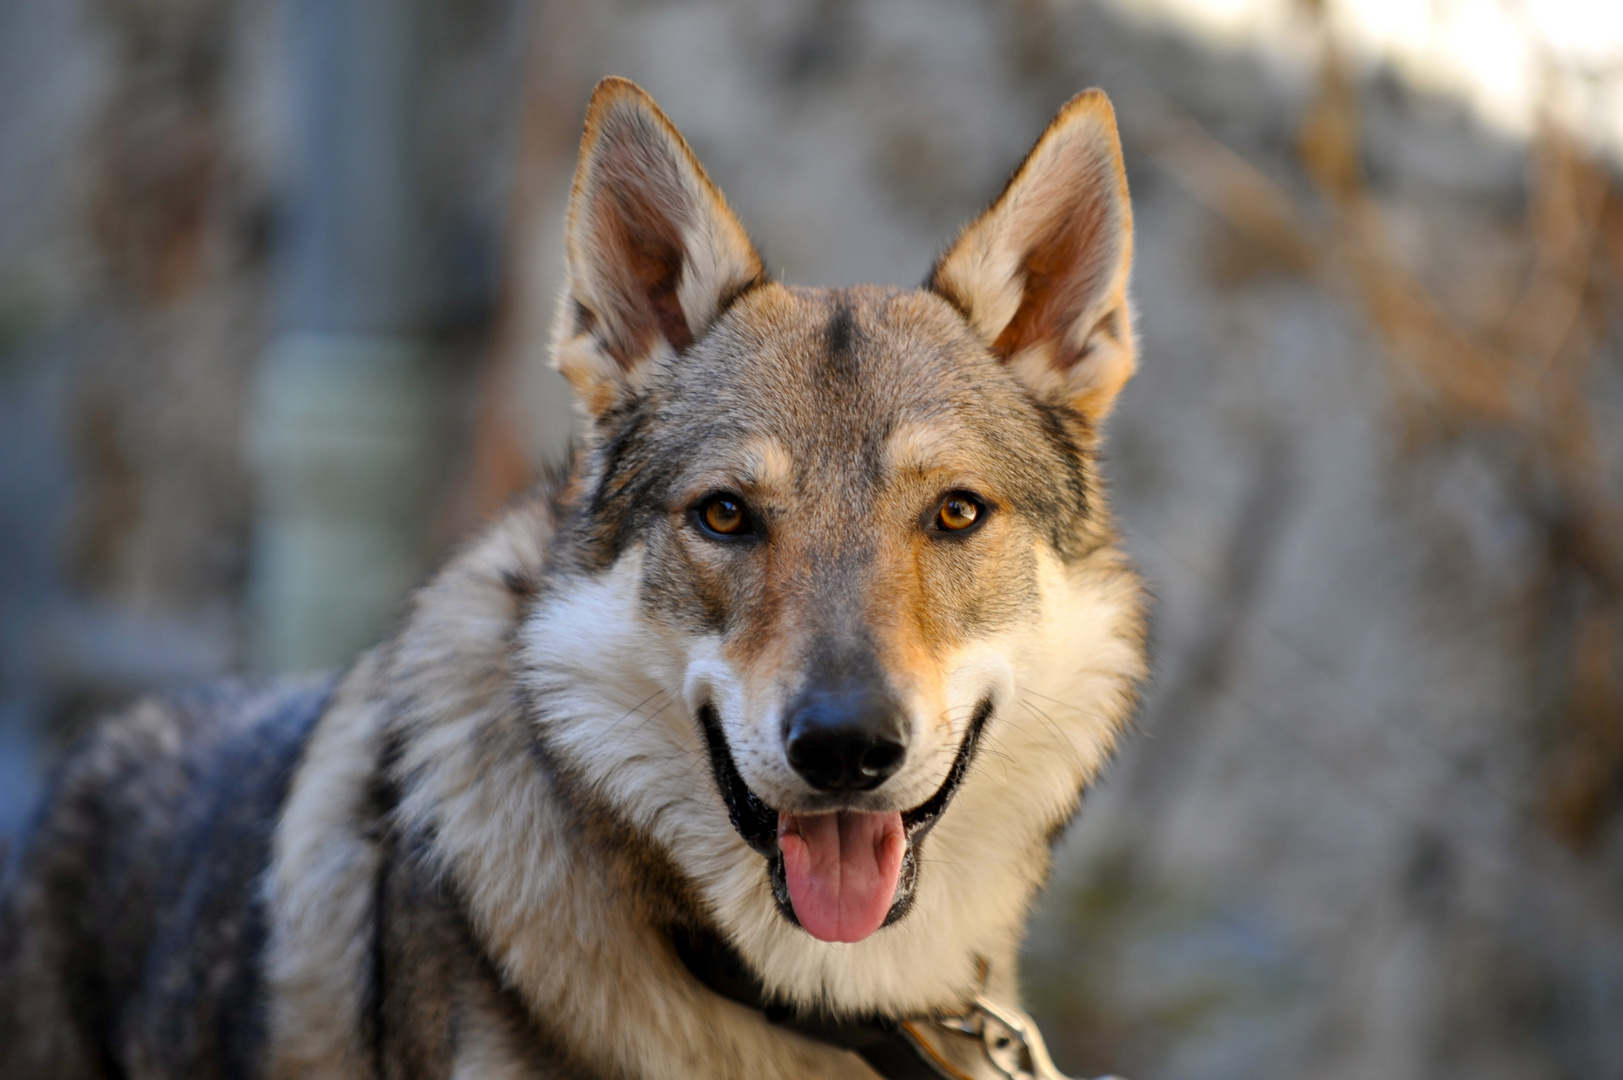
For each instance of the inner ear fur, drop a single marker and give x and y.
(654, 255)
(1041, 275)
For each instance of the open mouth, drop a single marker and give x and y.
(859, 844)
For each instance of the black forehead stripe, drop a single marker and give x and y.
(840, 338)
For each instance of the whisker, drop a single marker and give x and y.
(1059, 734)
(638, 708)
(1053, 700)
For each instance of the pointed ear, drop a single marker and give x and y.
(1042, 274)
(654, 255)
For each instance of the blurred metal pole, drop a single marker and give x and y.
(349, 411)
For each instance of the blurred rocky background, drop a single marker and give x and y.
(275, 283)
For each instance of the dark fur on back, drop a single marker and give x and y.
(131, 920)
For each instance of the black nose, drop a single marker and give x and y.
(850, 740)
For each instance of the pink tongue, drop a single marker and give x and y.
(842, 870)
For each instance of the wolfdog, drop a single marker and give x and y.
(738, 750)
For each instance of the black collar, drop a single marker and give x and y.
(881, 1041)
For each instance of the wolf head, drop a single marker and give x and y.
(834, 571)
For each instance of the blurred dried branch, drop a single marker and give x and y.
(1523, 385)
(1516, 389)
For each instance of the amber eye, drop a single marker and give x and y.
(958, 512)
(724, 515)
